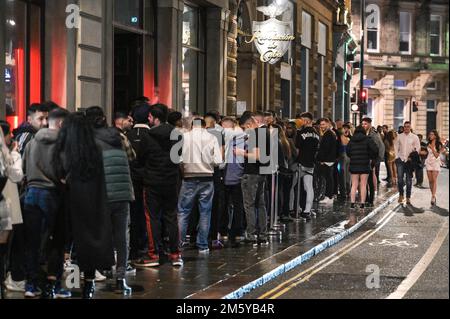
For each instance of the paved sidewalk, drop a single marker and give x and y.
(223, 271)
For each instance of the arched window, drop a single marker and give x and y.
(373, 28)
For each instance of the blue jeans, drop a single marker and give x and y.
(190, 190)
(402, 170)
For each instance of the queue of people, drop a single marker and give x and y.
(140, 193)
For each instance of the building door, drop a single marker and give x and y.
(128, 68)
(431, 121)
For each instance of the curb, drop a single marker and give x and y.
(280, 270)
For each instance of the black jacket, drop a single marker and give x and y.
(328, 148)
(154, 155)
(307, 142)
(135, 137)
(361, 150)
(115, 163)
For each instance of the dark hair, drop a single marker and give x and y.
(120, 115)
(6, 128)
(213, 115)
(160, 112)
(360, 129)
(257, 113)
(438, 140)
(268, 113)
(58, 114)
(140, 113)
(174, 117)
(76, 153)
(325, 120)
(347, 126)
(96, 117)
(36, 107)
(307, 115)
(245, 118)
(367, 120)
(51, 105)
(390, 137)
(407, 123)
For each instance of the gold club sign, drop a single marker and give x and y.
(272, 38)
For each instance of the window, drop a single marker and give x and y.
(193, 61)
(128, 13)
(405, 32)
(305, 78)
(432, 86)
(400, 84)
(320, 81)
(435, 35)
(373, 28)
(431, 106)
(23, 52)
(306, 30)
(399, 113)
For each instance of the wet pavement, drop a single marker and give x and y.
(222, 271)
(374, 261)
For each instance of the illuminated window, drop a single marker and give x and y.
(23, 51)
(373, 27)
(405, 32)
(435, 35)
(193, 60)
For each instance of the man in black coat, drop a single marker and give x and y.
(327, 156)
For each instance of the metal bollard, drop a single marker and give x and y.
(274, 206)
(277, 224)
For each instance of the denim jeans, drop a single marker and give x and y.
(255, 205)
(189, 191)
(402, 170)
(41, 217)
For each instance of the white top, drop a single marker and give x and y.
(201, 153)
(405, 144)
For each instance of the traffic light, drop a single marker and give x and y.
(363, 101)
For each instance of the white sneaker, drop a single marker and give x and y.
(98, 276)
(14, 286)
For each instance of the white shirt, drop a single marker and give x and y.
(201, 153)
(406, 144)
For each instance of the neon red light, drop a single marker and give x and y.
(35, 72)
(20, 84)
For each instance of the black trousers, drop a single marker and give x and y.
(162, 204)
(284, 186)
(371, 194)
(16, 253)
(327, 174)
(138, 230)
(235, 204)
(219, 220)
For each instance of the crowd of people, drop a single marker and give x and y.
(139, 193)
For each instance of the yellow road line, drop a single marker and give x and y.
(331, 259)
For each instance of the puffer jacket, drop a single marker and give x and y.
(361, 150)
(115, 163)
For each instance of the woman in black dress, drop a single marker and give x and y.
(80, 166)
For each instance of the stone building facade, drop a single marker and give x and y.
(188, 54)
(406, 63)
